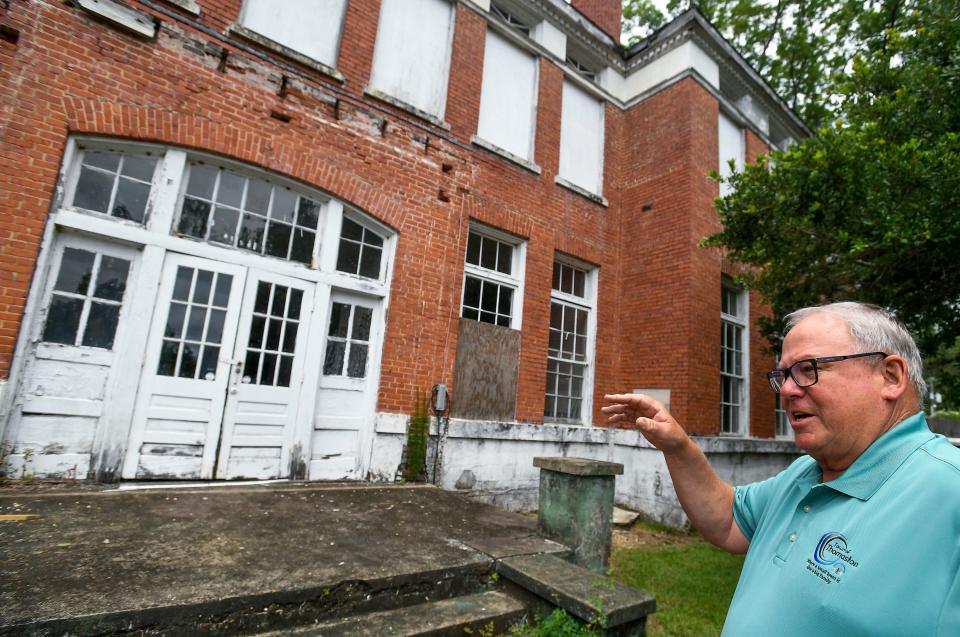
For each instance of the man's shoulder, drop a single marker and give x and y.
(942, 454)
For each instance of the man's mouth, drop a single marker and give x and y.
(800, 417)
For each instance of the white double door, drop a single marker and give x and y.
(220, 388)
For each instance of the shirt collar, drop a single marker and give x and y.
(882, 458)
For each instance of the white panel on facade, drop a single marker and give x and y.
(508, 100)
(411, 60)
(581, 139)
(310, 27)
(731, 145)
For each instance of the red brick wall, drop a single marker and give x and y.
(606, 14)
(658, 301)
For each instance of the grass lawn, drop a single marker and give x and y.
(692, 581)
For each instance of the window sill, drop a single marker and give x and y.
(404, 106)
(190, 6)
(506, 154)
(583, 192)
(135, 21)
(267, 43)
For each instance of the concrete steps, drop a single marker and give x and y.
(492, 612)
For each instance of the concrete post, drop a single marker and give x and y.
(576, 506)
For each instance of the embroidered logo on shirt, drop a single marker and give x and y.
(831, 557)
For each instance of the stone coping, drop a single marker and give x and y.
(579, 466)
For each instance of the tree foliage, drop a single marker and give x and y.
(869, 208)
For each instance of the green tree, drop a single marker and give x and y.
(869, 208)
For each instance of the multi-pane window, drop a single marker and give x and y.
(733, 390)
(84, 307)
(225, 207)
(348, 341)
(568, 347)
(360, 251)
(414, 68)
(273, 335)
(581, 139)
(310, 27)
(783, 429)
(508, 99)
(114, 183)
(510, 18)
(731, 147)
(193, 331)
(491, 280)
(582, 69)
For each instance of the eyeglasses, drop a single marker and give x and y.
(804, 372)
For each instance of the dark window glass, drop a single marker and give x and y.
(202, 180)
(488, 297)
(284, 205)
(268, 369)
(506, 300)
(100, 159)
(361, 323)
(273, 334)
(357, 366)
(351, 230)
(339, 320)
(279, 301)
(473, 249)
(283, 374)
(76, 268)
(333, 361)
(262, 303)
(201, 290)
(224, 227)
(471, 293)
(93, 190)
(101, 325)
(278, 240)
(215, 326)
(505, 258)
(257, 326)
(348, 257)
(308, 214)
(138, 167)
(488, 254)
(258, 196)
(296, 301)
(168, 358)
(251, 233)
(111, 279)
(208, 365)
(301, 250)
(290, 337)
(175, 316)
(222, 294)
(63, 320)
(251, 365)
(181, 287)
(198, 315)
(230, 191)
(131, 201)
(193, 218)
(370, 262)
(188, 360)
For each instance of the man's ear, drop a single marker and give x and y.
(896, 380)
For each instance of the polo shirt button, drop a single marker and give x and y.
(793, 537)
(806, 508)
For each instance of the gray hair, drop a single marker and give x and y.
(873, 329)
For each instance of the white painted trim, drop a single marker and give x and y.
(518, 267)
(506, 154)
(138, 22)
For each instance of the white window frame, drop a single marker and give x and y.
(731, 145)
(575, 136)
(83, 353)
(514, 280)
(124, 148)
(498, 102)
(741, 323)
(588, 303)
(392, 89)
(336, 381)
(277, 32)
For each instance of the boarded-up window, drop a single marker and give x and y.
(508, 100)
(488, 360)
(581, 139)
(310, 27)
(731, 147)
(411, 60)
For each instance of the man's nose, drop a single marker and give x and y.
(790, 387)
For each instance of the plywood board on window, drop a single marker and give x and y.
(488, 357)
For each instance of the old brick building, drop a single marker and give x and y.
(239, 235)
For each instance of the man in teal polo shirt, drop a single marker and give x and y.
(861, 536)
